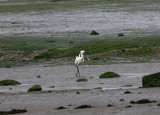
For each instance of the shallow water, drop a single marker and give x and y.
(63, 77)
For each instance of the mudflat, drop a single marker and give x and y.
(70, 94)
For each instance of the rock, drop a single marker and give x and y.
(9, 82)
(35, 88)
(13, 111)
(38, 76)
(129, 106)
(82, 80)
(109, 75)
(77, 92)
(152, 80)
(121, 100)
(142, 101)
(158, 104)
(109, 105)
(61, 107)
(83, 106)
(120, 34)
(127, 92)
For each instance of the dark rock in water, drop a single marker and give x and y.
(152, 80)
(94, 33)
(13, 111)
(78, 93)
(127, 92)
(120, 34)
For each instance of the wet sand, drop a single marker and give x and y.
(63, 77)
(66, 87)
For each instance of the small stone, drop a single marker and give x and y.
(78, 93)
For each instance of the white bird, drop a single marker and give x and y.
(79, 60)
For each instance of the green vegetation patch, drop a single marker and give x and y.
(2, 54)
(109, 75)
(97, 88)
(83, 106)
(35, 88)
(82, 80)
(96, 58)
(152, 80)
(144, 51)
(13, 111)
(9, 82)
(110, 47)
(127, 86)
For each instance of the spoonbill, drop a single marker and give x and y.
(79, 60)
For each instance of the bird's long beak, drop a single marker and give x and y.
(86, 57)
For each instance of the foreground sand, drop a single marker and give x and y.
(46, 103)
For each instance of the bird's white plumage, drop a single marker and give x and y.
(79, 60)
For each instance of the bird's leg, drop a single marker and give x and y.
(77, 71)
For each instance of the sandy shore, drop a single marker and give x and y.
(65, 91)
(46, 103)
